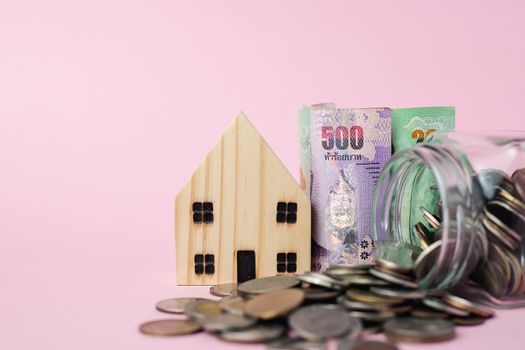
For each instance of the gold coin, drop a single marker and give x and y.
(367, 297)
(169, 327)
(274, 304)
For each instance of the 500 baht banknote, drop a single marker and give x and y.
(348, 149)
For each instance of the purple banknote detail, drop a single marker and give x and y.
(349, 148)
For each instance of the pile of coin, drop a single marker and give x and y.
(344, 304)
(495, 264)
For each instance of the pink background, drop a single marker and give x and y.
(106, 107)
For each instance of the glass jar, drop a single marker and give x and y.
(460, 197)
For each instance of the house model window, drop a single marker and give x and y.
(286, 262)
(202, 212)
(286, 212)
(204, 264)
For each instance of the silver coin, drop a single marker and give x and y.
(360, 306)
(394, 279)
(318, 279)
(226, 322)
(256, 334)
(438, 305)
(518, 178)
(223, 290)
(362, 280)
(396, 255)
(232, 305)
(398, 293)
(378, 316)
(320, 294)
(318, 323)
(372, 345)
(202, 309)
(433, 220)
(295, 344)
(490, 179)
(267, 284)
(176, 305)
(468, 306)
(419, 330)
(426, 261)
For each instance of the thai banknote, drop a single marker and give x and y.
(411, 126)
(415, 125)
(348, 149)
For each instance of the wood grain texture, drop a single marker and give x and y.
(245, 180)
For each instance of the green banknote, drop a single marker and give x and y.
(411, 126)
(416, 125)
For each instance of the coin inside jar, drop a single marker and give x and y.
(274, 304)
(169, 327)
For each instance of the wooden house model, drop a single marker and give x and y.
(241, 215)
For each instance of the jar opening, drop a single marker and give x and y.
(432, 186)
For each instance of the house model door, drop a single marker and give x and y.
(245, 265)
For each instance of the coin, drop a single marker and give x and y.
(223, 290)
(255, 334)
(376, 316)
(176, 305)
(469, 321)
(319, 294)
(372, 345)
(363, 280)
(432, 220)
(359, 306)
(518, 178)
(232, 305)
(371, 328)
(267, 284)
(426, 261)
(440, 306)
(388, 277)
(396, 256)
(318, 279)
(202, 309)
(418, 330)
(274, 304)
(424, 312)
(340, 271)
(468, 306)
(170, 327)
(225, 322)
(368, 297)
(398, 293)
(423, 234)
(317, 323)
(490, 179)
(295, 344)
